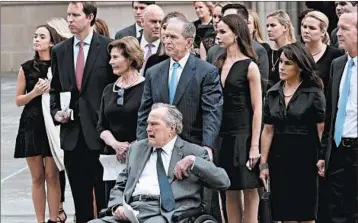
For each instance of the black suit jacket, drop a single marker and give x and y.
(337, 68)
(128, 31)
(86, 102)
(153, 60)
(198, 97)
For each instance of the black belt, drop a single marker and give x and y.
(143, 197)
(348, 142)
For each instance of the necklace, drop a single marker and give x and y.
(284, 86)
(273, 64)
(313, 55)
(123, 86)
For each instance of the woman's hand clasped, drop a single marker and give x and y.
(42, 85)
(121, 149)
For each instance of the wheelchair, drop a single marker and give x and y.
(196, 215)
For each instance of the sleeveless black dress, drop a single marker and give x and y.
(236, 129)
(32, 139)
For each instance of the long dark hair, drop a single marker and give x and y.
(54, 39)
(239, 27)
(298, 53)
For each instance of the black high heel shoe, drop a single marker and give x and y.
(49, 221)
(59, 219)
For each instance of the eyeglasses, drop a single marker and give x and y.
(120, 98)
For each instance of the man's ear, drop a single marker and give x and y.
(190, 42)
(90, 17)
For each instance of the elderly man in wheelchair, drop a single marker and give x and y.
(165, 176)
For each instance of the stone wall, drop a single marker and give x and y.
(19, 20)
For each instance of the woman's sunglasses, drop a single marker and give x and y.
(120, 98)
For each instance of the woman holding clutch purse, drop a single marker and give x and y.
(293, 124)
(117, 123)
(32, 142)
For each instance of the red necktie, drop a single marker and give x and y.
(80, 65)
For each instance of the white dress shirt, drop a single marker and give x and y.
(180, 69)
(148, 181)
(86, 46)
(143, 45)
(350, 122)
(137, 29)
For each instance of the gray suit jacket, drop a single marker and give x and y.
(216, 51)
(187, 192)
(198, 97)
(337, 68)
(334, 39)
(128, 31)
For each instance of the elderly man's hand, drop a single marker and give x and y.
(119, 214)
(181, 169)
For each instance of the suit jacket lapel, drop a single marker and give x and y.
(337, 76)
(163, 81)
(70, 62)
(91, 59)
(186, 76)
(177, 155)
(133, 31)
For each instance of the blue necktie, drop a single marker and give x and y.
(166, 193)
(173, 82)
(341, 113)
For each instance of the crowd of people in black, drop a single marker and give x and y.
(206, 116)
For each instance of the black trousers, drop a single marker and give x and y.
(82, 166)
(343, 183)
(63, 185)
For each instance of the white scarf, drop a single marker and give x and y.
(53, 131)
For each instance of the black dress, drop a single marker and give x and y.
(236, 128)
(274, 75)
(209, 40)
(31, 138)
(120, 120)
(324, 64)
(201, 31)
(294, 151)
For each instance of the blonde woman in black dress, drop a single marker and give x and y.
(281, 31)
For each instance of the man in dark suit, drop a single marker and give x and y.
(80, 65)
(136, 29)
(165, 175)
(339, 152)
(340, 8)
(189, 83)
(216, 51)
(150, 40)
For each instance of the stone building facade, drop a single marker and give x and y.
(20, 19)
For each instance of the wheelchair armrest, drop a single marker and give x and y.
(178, 216)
